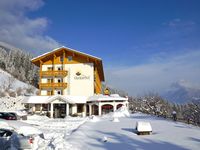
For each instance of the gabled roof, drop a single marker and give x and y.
(97, 60)
(67, 48)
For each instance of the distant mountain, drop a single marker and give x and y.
(181, 92)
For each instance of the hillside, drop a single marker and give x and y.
(10, 85)
(12, 92)
(8, 80)
(17, 62)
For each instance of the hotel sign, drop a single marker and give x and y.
(80, 76)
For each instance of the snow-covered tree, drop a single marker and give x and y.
(18, 63)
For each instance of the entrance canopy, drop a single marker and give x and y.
(50, 99)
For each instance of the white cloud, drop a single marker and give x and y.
(21, 31)
(156, 76)
(177, 23)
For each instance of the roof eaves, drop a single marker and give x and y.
(68, 49)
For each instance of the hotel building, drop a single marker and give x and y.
(70, 84)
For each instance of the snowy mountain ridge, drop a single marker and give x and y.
(182, 91)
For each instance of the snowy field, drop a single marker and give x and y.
(167, 135)
(74, 133)
(90, 133)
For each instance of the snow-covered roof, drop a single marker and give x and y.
(112, 97)
(49, 99)
(72, 99)
(68, 49)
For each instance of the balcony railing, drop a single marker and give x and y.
(53, 85)
(54, 73)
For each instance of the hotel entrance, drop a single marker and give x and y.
(59, 110)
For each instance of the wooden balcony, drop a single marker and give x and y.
(62, 73)
(53, 85)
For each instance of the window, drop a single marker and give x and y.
(49, 92)
(79, 108)
(61, 59)
(49, 68)
(60, 68)
(37, 107)
(45, 107)
(49, 80)
(59, 80)
(69, 58)
(59, 92)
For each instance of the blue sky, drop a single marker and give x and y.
(131, 36)
(130, 29)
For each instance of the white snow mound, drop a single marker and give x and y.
(93, 118)
(27, 130)
(115, 119)
(121, 112)
(4, 125)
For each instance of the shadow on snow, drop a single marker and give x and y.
(121, 141)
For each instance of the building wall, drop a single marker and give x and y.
(83, 84)
(97, 83)
(86, 84)
(43, 92)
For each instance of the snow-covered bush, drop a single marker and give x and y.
(12, 93)
(3, 93)
(30, 90)
(191, 112)
(19, 91)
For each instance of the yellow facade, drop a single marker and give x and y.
(62, 56)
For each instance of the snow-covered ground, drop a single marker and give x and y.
(56, 131)
(105, 133)
(167, 135)
(11, 84)
(6, 78)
